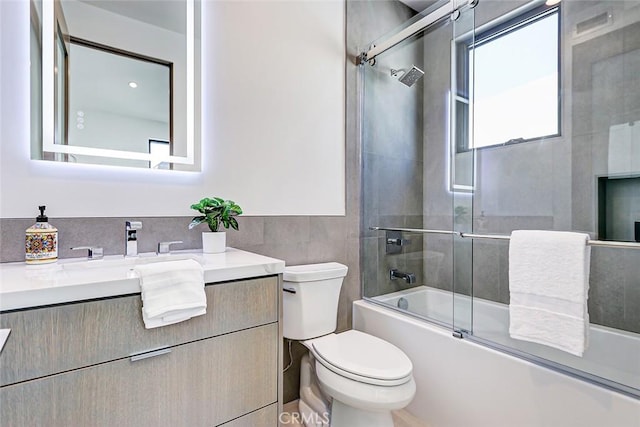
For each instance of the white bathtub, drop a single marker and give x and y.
(612, 354)
(464, 384)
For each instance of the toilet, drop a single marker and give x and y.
(350, 379)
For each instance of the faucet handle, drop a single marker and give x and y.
(407, 277)
(93, 252)
(398, 241)
(164, 247)
(133, 225)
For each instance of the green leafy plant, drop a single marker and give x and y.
(216, 211)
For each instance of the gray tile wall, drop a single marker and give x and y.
(606, 91)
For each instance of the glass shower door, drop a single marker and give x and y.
(393, 261)
(412, 197)
(462, 166)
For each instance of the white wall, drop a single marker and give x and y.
(273, 122)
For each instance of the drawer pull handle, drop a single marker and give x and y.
(291, 291)
(149, 354)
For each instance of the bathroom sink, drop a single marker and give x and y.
(118, 261)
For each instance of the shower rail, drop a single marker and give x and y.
(411, 30)
(600, 243)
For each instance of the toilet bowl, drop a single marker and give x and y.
(348, 379)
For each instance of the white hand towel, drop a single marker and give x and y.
(172, 292)
(549, 286)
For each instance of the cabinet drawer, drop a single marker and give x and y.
(204, 383)
(49, 340)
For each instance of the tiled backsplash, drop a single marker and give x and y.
(107, 233)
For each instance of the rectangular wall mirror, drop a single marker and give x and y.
(116, 82)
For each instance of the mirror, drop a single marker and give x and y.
(116, 82)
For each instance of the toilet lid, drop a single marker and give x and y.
(363, 355)
(313, 272)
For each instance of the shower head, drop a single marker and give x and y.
(410, 77)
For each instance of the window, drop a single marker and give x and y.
(514, 72)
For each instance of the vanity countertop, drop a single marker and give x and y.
(26, 286)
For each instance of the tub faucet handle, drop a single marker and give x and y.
(394, 274)
(395, 242)
(133, 225)
(398, 241)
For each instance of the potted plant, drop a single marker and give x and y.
(215, 212)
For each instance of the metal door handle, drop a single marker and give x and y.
(149, 354)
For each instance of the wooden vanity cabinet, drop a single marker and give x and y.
(93, 363)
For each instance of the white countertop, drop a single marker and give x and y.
(25, 286)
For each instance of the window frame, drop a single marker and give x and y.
(494, 32)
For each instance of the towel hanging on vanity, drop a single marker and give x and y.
(172, 292)
(549, 286)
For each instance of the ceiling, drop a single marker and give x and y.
(418, 5)
(168, 14)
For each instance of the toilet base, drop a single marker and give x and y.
(312, 418)
(313, 406)
(347, 416)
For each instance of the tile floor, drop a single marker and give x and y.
(401, 418)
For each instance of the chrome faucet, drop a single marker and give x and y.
(407, 277)
(131, 238)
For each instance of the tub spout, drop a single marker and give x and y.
(407, 277)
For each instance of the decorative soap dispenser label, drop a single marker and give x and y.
(41, 241)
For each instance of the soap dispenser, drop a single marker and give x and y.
(41, 241)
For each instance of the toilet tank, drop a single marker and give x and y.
(310, 299)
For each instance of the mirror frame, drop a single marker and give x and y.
(48, 95)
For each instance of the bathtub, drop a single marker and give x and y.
(466, 384)
(612, 354)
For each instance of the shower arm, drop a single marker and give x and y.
(600, 243)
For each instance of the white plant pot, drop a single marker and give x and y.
(214, 242)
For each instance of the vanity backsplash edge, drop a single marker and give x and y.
(106, 233)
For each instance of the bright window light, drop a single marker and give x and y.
(515, 81)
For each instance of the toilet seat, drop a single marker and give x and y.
(363, 396)
(362, 357)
